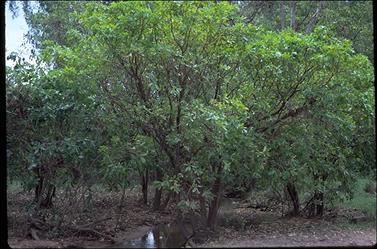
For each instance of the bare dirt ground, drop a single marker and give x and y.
(353, 238)
(307, 237)
(62, 225)
(296, 232)
(247, 227)
(243, 226)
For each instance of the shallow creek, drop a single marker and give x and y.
(170, 235)
(161, 236)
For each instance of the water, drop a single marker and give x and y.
(147, 241)
(173, 235)
(161, 236)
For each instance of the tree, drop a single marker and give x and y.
(162, 74)
(293, 15)
(191, 94)
(324, 15)
(350, 20)
(49, 21)
(50, 129)
(198, 70)
(282, 14)
(293, 78)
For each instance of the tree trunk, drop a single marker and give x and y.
(320, 196)
(316, 205)
(157, 199)
(144, 186)
(217, 190)
(314, 18)
(293, 15)
(158, 192)
(166, 202)
(320, 204)
(282, 14)
(203, 210)
(44, 191)
(294, 198)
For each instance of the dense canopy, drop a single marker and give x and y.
(194, 99)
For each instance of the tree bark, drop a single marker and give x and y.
(166, 202)
(316, 205)
(158, 192)
(217, 190)
(157, 199)
(44, 192)
(293, 15)
(45, 189)
(203, 210)
(282, 14)
(144, 185)
(294, 198)
(314, 18)
(320, 204)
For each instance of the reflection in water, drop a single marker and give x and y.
(159, 237)
(172, 235)
(149, 240)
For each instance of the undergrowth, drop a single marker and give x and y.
(363, 200)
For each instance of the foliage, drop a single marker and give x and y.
(363, 201)
(351, 20)
(48, 119)
(191, 93)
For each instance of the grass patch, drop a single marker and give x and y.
(363, 200)
(14, 187)
(369, 224)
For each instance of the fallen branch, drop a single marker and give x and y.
(95, 232)
(39, 224)
(191, 244)
(33, 234)
(93, 222)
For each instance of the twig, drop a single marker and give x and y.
(86, 228)
(95, 232)
(307, 204)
